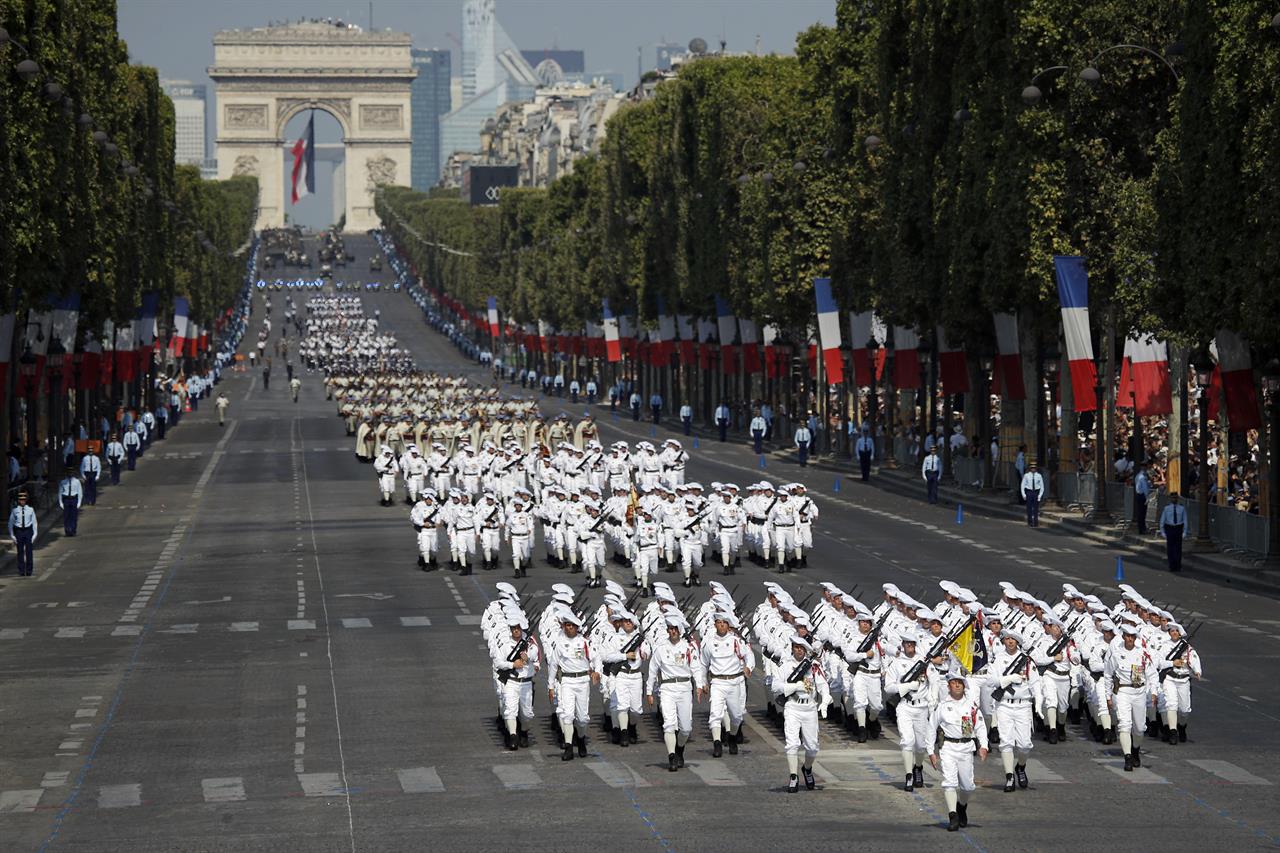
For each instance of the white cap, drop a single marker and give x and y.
(1130, 629)
(1005, 635)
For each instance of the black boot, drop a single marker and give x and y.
(606, 723)
(422, 563)
(953, 821)
(993, 737)
(615, 735)
(680, 756)
(874, 727)
(1052, 735)
(1171, 736)
(523, 735)
(567, 755)
(671, 762)
(962, 812)
(1021, 772)
(917, 775)
(860, 732)
(1182, 733)
(1062, 731)
(793, 784)
(1128, 763)
(808, 777)
(910, 784)
(511, 742)
(582, 746)
(733, 743)
(1008, 783)
(717, 749)
(1137, 756)
(631, 733)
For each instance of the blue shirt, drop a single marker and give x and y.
(1174, 514)
(1141, 485)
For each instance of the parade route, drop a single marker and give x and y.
(238, 652)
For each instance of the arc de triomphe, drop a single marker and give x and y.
(265, 76)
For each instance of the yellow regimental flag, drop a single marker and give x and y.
(963, 647)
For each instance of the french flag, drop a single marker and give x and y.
(727, 332)
(193, 342)
(126, 361)
(829, 331)
(706, 349)
(612, 336)
(863, 327)
(952, 367)
(1144, 377)
(750, 337)
(906, 358)
(1236, 369)
(494, 328)
(688, 339)
(304, 162)
(181, 323)
(1008, 364)
(773, 354)
(666, 334)
(595, 340)
(106, 366)
(1073, 294)
(545, 333)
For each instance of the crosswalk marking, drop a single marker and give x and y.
(120, 796)
(188, 628)
(13, 633)
(715, 774)
(55, 778)
(1139, 776)
(617, 775)
(465, 619)
(302, 624)
(415, 621)
(69, 633)
(1227, 771)
(320, 784)
(126, 630)
(228, 789)
(1041, 774)
(243, 626)
(517, 777)
(420, 780)
(15, 802)
(356, 623)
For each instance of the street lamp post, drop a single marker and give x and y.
(873, 405)
(55, 358)
(1271, 391)
(1202, 363)
(1099, 512)
(1052, 359)
(986, 362)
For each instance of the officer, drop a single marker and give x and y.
(729, 661)
(1032, 490)
(1141, 491)
(1017, 681)
(592, 390)
(1173, 526)
(132, 446)
(803, 438)
(801, 684)
(295, 385)
(723, 418)
(149, 421)
(221, 405)
(635, 405)
(686, 418)
(865, 448)
(962, 724)
(675, 670)
(1129, 673)
(575, 388)
(758, 427)
(932, 471)
(162, 420)
(91, 470)
(23, 529)
(70, 496)
(115, 453)
(655, 406)
(572, 667)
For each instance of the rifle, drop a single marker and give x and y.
(800, 669)
(1178, 651)
(1016, 664)
(943, 643)
(1055, 649)
(426, 522)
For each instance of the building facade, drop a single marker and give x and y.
(430, 97)
(189, 100)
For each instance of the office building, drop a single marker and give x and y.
(189, 120)
(430, 100)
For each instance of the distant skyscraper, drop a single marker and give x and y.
(429, 101)
(570, 63)
(189, 110)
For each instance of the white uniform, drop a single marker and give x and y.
(1014, 707)
(516, 682)
(727, 659)
(1129, 673)
(570, 662)
(806, 698)
(914, 708)
(728, 527)
(782, 529)
(672, 669)
(426, 521)
(386, 468)
(962, 724)
(626, 696)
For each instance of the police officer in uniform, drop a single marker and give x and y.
(931, 470)
(23, 529)
(91, 470)
(70, 496)
(1032, 489)
(1173, 526)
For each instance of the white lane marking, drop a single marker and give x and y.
(126, 630)
(228, 789)
(415, 621)
(243, 626)
(617, 775)
(517, 777)
(1041, 774)
(1139, 776)
(420, 780)
(356, 623)
(69, 633)
(120, 796)
(55, 778)
(13, 633)
(1227, 771)
(19, 802)
(302, 624)
(321, 784)
(188, 628)
(71, 744)
(715, 774)
(467, 619)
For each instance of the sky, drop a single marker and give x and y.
(175, 36)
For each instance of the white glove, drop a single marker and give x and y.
(1006, 680)
(905, 687)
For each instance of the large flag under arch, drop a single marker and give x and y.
(304, 162)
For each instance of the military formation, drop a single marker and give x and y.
(955, 678)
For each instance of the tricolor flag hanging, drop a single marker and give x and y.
(774, 355)
(612, 337)
(107, 366)
(829, 331)
(906, 358)
(688, 339)
(953, 370)
(666, 334)
(66, 317)
(595, 340)
(706, 349)
(193, 342)
(1073, 294)
(727, 333)
(545, 333)
(126, 359)
(494, 328)
(1236, 369)
(1144, 377)
(304, 162)
(1008, 364)
(865, 326)
(750, 337)
(181, 322)
(92, 362)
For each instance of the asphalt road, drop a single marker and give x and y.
(238, 653)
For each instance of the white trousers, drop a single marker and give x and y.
(784, 539)
(868, 694)
(800, 729)
(491, 541)
(573, 700)
(677, 707)
(628, 693)
(521, 547)
(913, 727)
(517, 700)
(387, 483)
(1014, 722)
(1131, 710)
(690, 556)
(1175, 695)
(593, 556)
(957, 765)
(464, 543)
(728, 696)
(428, 541)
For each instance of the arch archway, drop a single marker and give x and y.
(266, 76)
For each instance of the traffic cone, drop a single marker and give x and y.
(761, 461)
(959, 513)
(836, 487)
(695, 444)
(653, 431)
(1119, 568)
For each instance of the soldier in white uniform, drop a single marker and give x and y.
(801, 684)
(728, 525)
(462, 539)
(1176, 669)
(645, 551)
(490, 519)
(729, 662)
(962, 725)
(916, 691)
(414, 468)
(675, 670)
(386, 467)
(516, 661)
(589, 533)
(806, 515)
(572, 667)
(689, 531)
(782, 521)
(624, 654)
(1015, 683)
(520, 534)
(1129, 674)
(425, 517)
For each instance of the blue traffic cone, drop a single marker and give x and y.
(836, 487)
(1119, 568)
(959, 513)
(762, 461)
(653, 431)
(695, 444)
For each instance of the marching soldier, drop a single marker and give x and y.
(729, 662)
(1176, 669)
(1016, 682)
(962, 725)
(386, 468)
(572, 667)
(1129, 673)
(425, 517)
(675, 670)
(624, 654)
(516, 661)
(802, 686)
(910, 678)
